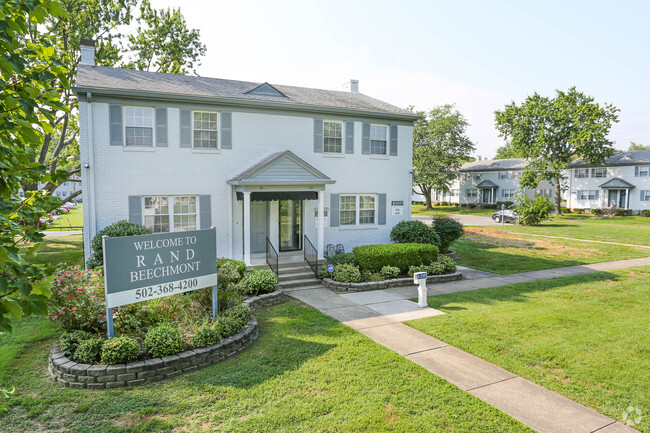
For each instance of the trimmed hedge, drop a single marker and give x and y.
(413, 232)
(162, 341)
(374, 257)
(117, 229)
(448, 230)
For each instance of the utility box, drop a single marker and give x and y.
(420, 278)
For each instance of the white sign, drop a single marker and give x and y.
(325, 221)
(397, 210)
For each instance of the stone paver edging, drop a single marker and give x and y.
(100, 376)
(380, 285)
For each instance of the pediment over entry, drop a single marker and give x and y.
(281, 168)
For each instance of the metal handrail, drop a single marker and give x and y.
(311, 255)
(272, 257)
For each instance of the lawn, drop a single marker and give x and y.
(503, 252)
(418, 209)
(306, 373)
(61, 249)
(631, 230)
(72, 219)
(585, 337)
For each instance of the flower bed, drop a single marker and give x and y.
(385, 284)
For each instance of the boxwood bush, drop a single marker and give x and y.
(233, 320)
(258, 282)
(162, 341)
(89, 351)
(117, 229)
(120, 350)
(389, 272)
(622, 212)
(347, 273)
(645, 212)
(207, 334)
(374, 257)
(71, 340)
(413, 232)
(448, 230)
(343, 258)
(596, 211)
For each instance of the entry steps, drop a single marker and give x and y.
(295, 276)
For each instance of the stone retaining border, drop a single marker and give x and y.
(380, 285)
(100, 376)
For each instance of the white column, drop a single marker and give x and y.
(320, 244)
(627, 199)
(247, 228)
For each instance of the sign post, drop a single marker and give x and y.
(330, 269)
(420, 278)
(140, 268)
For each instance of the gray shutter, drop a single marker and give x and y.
(636, 171)
(349, 137)
(642, 195)
(318, 135)
(205, 217)
(135, 209)
(226, 130)
(365, 139)
(596, 197)
(334, 210)
(115, 124)
(381, 210)
(393, 140)
(161, 127)
(186, 128)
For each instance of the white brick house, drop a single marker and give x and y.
(256, 161)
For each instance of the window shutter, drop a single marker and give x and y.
(161, 127)
(115, 124)
(205, 216)
(365, 139)
(349, 137)
(135, 209)
(334, 210)
(318, 135)
(393, 140)
(226, 130)
(642, 195)
(186, 128)
(636, 171)
(596, 196)
(381, 210)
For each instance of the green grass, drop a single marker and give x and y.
(492, 250)
(630, 229)
(61, 249)
(306, 373)
(418, 209)
(585, 337)
(74, 218)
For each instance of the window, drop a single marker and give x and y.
(543, 192)
(365, 204)
(138, 126)
(582, 173)
(378, 139)
(587, 194)
(599, 172)
(645, 195)
(513, 174)
(206, 129)
(503, 175)
(332, 137)
(509, 193)
(643, 170)
(170, 214)
(454, 192)
(472, 193)
(478, 176)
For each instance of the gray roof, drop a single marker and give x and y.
(118, 81)
(617, 183)
(281, 168)
(619, 158)
(487, 183)
(495, 165)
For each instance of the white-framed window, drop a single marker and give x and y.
(543, 192)
(205, 129)
(581, 173)
(170, 213)
(643, 170)
(478, 176)
(509, 193)
(467, 176)
(645, 195)
(513, 174)
(378, 139)
(455, 192)
(503, 175)
(599, 172)
(138, 126)
(357, 209)
(471, 193)
(332, 136)
(587, 194)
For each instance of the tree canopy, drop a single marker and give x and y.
(440, 147)
(638, 146)
(550, 132)
(507, 151)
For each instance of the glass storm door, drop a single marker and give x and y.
(290, 225)
(622, 202)
(611, 197)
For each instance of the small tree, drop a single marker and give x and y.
(532, 212)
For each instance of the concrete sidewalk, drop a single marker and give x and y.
(378, 315)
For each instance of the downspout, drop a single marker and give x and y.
(91, 175)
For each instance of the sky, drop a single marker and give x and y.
(478, 55)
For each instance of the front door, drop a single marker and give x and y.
(290, 225)
(622, 199)
(259, 226)
(486, 195)
(612, 198)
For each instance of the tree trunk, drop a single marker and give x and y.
(558, 196)
(426, 192)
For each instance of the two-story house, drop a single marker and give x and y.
(264, 164)
(621, 182)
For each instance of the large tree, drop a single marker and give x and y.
(550, 132)
(507, 151)
(440, 147)
(162, 42)
(32, 81)
(638, 146)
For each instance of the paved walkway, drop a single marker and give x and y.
(378, 315)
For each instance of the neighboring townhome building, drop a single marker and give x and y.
(491, 181)
(64, 190)
(621, 182)
(256, 161)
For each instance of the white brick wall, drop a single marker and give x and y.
(641, 183)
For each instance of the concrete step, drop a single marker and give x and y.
(300, 283)
(296, 275)
(308, 287)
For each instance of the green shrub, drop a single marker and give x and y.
(232, 263)
(70, 342)
(533, 211)
(322, 272)
(162, 341)
(622, 212)
(419, 268)
(645, 212)
(374, 257)
(389, 272)
(258, 282)
(89, 351)
(347, 273)
(132, 318)
(491, 206)
(233, 320)
(596, 211)
(578, 210)
(120, 350)
(448, 230)
(507, 203)
(444, 265)
(115, 230)
(444, 203)
(413, 232)
(343, 258)
(471, 205)
(565, 210)
(207, 334)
